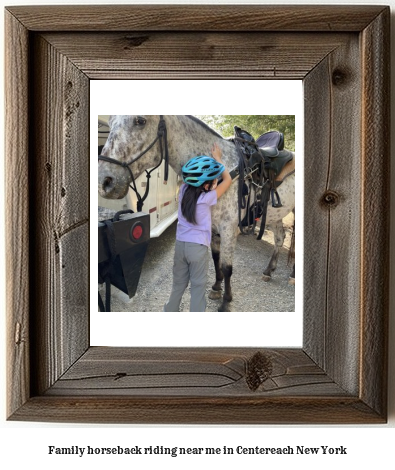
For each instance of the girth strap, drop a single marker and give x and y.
(266, 190)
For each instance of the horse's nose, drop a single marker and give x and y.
(108, 184)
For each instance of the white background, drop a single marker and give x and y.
(26, 444)
(197, 97)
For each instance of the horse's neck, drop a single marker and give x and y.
(188, 139)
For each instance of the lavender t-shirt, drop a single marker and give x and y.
(201, 232)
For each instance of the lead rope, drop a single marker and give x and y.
(140, 200)
(163, 130)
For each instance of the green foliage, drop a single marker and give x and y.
(255, 125)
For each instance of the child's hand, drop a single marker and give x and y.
(216, 152)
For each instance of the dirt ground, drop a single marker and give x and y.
(250, 292)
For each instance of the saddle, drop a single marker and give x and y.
(266, 164)
(271, 145)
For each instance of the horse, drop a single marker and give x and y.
(137, 143)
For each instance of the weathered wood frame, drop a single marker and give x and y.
(340, 374)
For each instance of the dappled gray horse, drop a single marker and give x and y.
(137, 143)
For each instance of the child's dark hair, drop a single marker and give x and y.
(189, 201)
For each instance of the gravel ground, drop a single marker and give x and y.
(250, 292)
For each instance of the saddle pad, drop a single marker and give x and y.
(288, 169)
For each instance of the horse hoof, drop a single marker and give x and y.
(266, 278)
(215, 294)
(224, 308)
(291, 281)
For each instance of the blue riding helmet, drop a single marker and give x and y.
(199, 170)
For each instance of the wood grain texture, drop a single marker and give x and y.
(316, 220)
(60, 249)
(375, 211)
(196, 55)
(123, 385)
(339, 376)
(210, 372)
(333, 221)
(197, 410)
(196, 18)
(17, 213)
(344, 206)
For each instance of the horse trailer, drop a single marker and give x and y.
(124, 232)
(162, 200)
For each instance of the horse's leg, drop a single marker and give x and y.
(216, 291)
(227, 269)
(291, 280)
(279, 235)
(228, 244)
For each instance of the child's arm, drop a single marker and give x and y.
(226, 178)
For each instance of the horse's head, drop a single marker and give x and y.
(129, 137)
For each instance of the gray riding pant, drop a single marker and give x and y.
(190, 265)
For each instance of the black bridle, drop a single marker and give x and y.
(161, 136)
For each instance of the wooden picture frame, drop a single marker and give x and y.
(340, 374)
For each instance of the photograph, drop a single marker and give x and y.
(220, 335)
(168, 157)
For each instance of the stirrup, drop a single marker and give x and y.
(276, 201)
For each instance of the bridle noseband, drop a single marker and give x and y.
(161, 136)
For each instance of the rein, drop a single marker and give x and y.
(161, 136)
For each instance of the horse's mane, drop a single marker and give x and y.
(206, 126)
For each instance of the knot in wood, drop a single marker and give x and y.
(135, 41)
(340, 77)
(330, 199)
(259, 369)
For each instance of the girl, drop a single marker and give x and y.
(193, 237)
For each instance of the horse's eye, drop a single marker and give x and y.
(140, 121)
